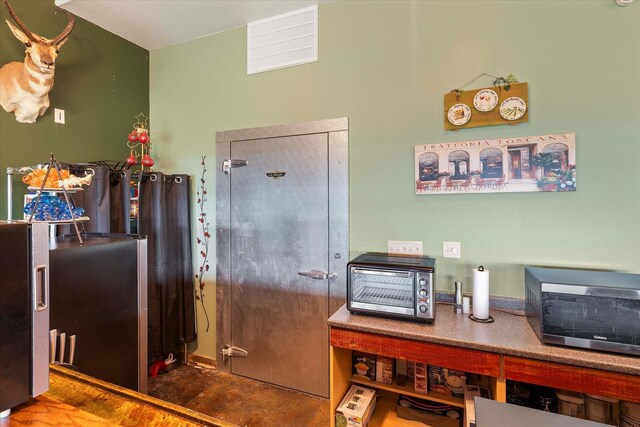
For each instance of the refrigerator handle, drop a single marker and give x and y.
(41, 288)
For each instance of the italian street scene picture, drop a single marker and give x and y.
(519, 164)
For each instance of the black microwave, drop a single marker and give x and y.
(596, 310)
(395, 286)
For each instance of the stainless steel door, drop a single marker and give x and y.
(282, 208)
(279, 227)
(24, 312)
(41, 312)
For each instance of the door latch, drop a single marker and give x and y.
(229, 164)
(230, 351)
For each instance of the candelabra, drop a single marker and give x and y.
(139, 143)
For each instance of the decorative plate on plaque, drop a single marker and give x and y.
(485, 100)
(513, 108)
(459, 114)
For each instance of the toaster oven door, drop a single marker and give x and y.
(383, 291)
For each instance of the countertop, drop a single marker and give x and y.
(509, 335)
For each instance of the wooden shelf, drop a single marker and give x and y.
(409, 391)
(385, 414)
(497, 366)
(344, 342)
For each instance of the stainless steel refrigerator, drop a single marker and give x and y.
(99, 294)
(24, 312)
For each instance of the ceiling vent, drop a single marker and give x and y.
(283, 40)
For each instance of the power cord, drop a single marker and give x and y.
(513, 313)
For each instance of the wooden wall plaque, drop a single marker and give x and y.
(479, 107)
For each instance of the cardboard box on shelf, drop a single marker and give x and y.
(364, 365)
(420, 378)
(384, 369)
(356, 407)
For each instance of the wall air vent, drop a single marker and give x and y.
(283, 40)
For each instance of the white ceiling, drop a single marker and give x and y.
(154, 24)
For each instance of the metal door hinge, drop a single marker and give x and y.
(229, 164)
(230, 351)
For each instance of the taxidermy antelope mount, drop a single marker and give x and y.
(25, 86)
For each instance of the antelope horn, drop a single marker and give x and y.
(67, 30)
(19, 22)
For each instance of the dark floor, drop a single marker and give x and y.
(238, 400)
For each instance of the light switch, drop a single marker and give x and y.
(58, 116)
(451, 250)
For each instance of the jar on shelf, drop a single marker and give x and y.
(629, 414)
(570, 403)
(602, 409)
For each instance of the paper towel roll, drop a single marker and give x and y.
(480, 293)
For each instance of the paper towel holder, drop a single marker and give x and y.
(487, 320)
(475, 319)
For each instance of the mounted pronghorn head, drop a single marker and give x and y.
(24, 87)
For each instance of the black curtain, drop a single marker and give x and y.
(164, 217)
(106, 200)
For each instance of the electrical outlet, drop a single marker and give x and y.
(451, 250)
(58, 116)
(404, 247)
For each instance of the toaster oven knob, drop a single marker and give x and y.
(423, 292)
(422, 308)
(422, 281)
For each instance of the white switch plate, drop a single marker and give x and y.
(404, 247)
(58, 116)
(451, 250)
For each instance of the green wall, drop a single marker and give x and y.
(101, 81)
(386, 66)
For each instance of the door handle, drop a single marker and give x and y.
(318, 274)
(40, 288)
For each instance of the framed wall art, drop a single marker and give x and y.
(506, 165)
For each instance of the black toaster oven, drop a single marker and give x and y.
(396, 286)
